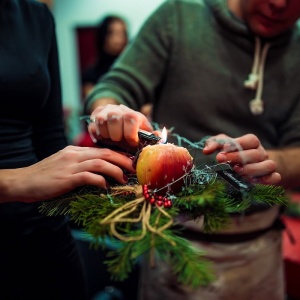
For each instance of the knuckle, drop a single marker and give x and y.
(68, 152)
(113, 116)
(130, 116)
(104, 153)
(254, 140)
(82, 178)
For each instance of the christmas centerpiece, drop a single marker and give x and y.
(145, 216)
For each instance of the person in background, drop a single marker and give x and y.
(111, 37)
(191, 60)
(38, 255)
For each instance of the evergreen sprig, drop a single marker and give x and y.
(88, 207)
(268, 194)
(121, 261)
(187, 262)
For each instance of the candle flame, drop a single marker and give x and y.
(163, 136)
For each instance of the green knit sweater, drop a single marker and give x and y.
(191, 59)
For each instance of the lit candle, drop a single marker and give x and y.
(163, 166)
(163, 136)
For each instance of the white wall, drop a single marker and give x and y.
(70, 14)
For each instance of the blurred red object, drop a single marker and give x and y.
(291, 252)
(84, 140)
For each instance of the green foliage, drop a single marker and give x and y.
(121, 263)
(188, 263)
(156, 237)
(268, 194)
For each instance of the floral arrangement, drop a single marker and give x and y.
(145, 216)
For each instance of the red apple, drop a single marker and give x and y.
(162, 167)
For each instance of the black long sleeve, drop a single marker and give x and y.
(31, 116)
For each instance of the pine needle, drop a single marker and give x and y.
(207, 197)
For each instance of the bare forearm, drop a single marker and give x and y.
(62, 172)
(288, 165)
(12, 185)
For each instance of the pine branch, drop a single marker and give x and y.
(187, 262)
(270, 194)
(213, 200)
(120, 263)
(56, 207)
(61, 205)
(189, 265)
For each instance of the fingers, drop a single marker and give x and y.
(215, 143)
(242, 150)
(245, 142)
(92, 166)
(110, 125)
(72, 167)
(247, 156)
(108, 166)
(243, 157)
(271, 179)
(132, 123)
(260, 169)
(93, 131)
(228, 144)
(263, 172)
(92, 159)
(102, 169)
(118, 122)
(88, 178)
(97, 155)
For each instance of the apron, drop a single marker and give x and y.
(247, 270)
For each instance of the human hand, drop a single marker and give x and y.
(117, 123)
(70, 168)
(246, 155)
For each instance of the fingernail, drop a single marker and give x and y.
(132, 121)
(92, 137)
(97, 130)
(114, 117)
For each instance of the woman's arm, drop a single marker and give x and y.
(62, 172)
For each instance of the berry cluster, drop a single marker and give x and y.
(155, 199)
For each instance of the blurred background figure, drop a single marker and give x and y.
(111, 37)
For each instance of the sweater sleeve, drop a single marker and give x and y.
(49, 135)
(138, 72)
(289, 131)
